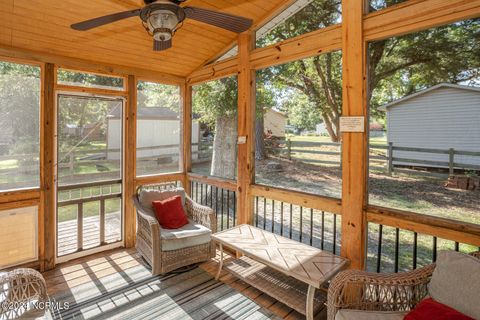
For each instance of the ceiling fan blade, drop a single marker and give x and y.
(219, 19)
(162, 45)
(100, 21)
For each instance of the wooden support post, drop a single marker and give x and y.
(47, 170)
(187, 135)
(130, 161)
(451, 161)
(390, 158)
(355, 150)
(246, 114)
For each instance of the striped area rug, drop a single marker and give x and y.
(135, 294)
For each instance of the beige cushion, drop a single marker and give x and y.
(456, 282)
(192, 234)
(346, 314)
(146, 197)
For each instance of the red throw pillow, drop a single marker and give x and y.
(430, 309)
(170, 213)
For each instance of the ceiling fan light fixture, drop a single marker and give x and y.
(162, 18)
(162, 34)
(162, 24)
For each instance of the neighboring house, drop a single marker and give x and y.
(376, 130)
(442, 117)
(275, 122)
(321, 129)
(91, 130)
(158, 133)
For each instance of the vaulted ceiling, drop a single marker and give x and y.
(44, 26)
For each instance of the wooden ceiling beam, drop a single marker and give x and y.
(89, 66)
(417, 15)
(408, 17)
(222, 69)
(264, 20)
(304, 46)
(307, 45)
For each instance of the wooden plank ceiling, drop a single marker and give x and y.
(44, 26)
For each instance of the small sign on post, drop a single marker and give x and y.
(242, 140)
(352, 124)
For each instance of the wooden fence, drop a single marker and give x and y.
(294, 149)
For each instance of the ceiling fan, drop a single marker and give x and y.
(161, 18)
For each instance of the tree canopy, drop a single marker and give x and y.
(215, 99)
(20, 107)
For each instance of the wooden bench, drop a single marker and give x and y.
(287, 270)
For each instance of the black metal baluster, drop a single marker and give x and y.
(234, 208)
(334, 234)
(281, 218)
(273, 216)
(397, 247)
(264, 213)
(379, 252)
(291, 218)
(322, 243)
(228, 209)
(102, 222)
(434, 250)
(415, 248)
(211, 196)
(457, 246)
(222, 207)
(216, 202)
(201, 193)
(205, 195)
(256, 212)
(301, 224)
(80, 227)
(311, 227)
(196, 192)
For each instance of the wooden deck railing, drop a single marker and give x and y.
(397, 240)
(77, 195)
(218, 194)
(310, 226)
(400, 241)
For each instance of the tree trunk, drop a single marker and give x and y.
(224, 148)
(260, 152)
(333, 132)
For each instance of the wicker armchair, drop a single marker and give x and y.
(360, 290)
(23, 294)
(150, 239)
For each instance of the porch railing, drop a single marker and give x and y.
(316, 228)
(396, 241)
(401, 241)
(77, 231)
(221, 197)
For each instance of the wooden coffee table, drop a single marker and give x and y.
(287, 270)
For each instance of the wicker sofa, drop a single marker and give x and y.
(355, 294)
(167, 250)
(23, 294)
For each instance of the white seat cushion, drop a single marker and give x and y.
(192, 234)
(346, 314)
(456, 282)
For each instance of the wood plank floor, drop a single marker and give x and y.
(84, 270)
